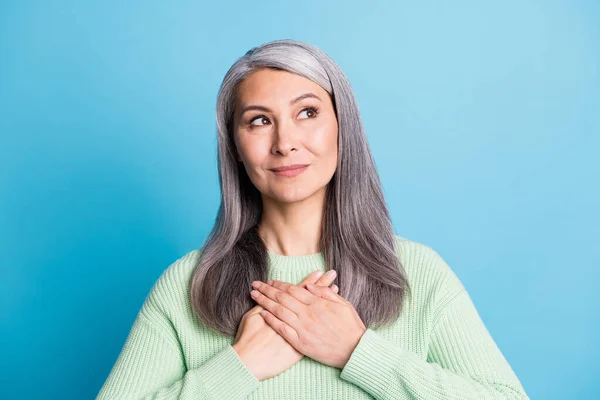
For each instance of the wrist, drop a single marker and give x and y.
(242, 356)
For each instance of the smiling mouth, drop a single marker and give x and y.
(287, 167)
(290, 172)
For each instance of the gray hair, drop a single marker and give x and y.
(357, 234)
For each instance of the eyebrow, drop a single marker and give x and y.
(294, 101)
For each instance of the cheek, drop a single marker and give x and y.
(253, 158)
(252, 153)
(325, 143)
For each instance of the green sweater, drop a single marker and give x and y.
(438, 348)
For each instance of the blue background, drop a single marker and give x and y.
(483, 120)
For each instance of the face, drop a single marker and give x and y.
(283, 119)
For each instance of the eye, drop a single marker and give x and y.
(311, 112)
(260, 118)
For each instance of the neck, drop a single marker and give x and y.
(293, 229)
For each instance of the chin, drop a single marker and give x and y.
(293, 194)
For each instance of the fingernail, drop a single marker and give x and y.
(330, 274)
(270, 282)
(318, 274)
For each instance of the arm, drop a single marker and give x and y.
(463, 361)
(151, 366)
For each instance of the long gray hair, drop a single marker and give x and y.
(357, 235)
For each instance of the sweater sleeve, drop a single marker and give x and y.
(463, 360)
(151, 365)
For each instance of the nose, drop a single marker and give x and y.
(284, 139)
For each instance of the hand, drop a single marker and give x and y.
(316, 321)
(261, 349)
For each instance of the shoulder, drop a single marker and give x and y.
(180, 270)
(429, 275)
(170, 291)
(418, 257)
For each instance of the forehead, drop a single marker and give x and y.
(274, 85)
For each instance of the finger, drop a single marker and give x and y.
(326, 293)
(281, 304)
(284, 330)
(254, 310)
(327, 278)
(280, 285)
(312, 278)
(323, 281)
(299, 292)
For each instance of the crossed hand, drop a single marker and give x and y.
(291, 321)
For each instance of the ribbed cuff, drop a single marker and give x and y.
(225, 376)
(371, 365)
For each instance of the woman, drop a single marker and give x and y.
(243, 317)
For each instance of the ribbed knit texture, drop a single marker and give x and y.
(438, 348)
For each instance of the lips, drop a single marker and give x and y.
(290, 171)
(289, 167)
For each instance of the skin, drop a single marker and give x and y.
(260, 347)
(316, 321)
(291, 127)
(287, 134)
